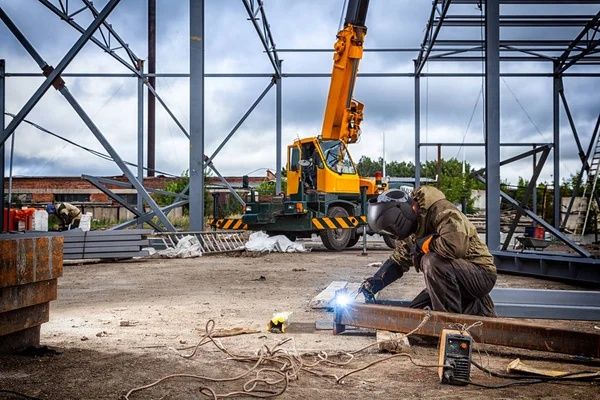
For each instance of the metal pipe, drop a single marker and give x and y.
(197, 39)
(151, 156)
(495, 331)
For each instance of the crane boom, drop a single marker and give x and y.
(343, 114)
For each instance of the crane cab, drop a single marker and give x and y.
(323, 165)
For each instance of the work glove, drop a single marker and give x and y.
(370, 287)
(422, 244)
(420, 249)
(417, 256)
(389, 272)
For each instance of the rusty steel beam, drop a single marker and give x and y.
(496, 331)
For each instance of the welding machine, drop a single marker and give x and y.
(454, 357)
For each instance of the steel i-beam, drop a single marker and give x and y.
(496, 331)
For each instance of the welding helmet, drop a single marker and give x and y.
(51, 209)
(392, 213)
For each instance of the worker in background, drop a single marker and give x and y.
(67, 213)
(436, 238)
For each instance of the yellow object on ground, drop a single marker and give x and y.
(279, 322)
(518, 366)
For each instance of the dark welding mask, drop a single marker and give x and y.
(392, 213)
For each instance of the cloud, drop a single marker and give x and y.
(233, 46)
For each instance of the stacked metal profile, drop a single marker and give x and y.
(29, 268)
(106, 244)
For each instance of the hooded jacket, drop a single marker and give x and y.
(68, 213)
(454, 236)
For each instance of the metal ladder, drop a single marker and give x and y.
(211, 242)
(592, 176)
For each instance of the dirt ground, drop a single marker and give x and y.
(115, 326)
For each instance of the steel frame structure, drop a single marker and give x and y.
(563, 54)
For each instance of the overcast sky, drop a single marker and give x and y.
(233, 46)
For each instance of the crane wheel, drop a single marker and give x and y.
(353, 240)
(336, 239)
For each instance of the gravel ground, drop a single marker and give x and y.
(115, 326)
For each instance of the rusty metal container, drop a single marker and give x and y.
(29, 268)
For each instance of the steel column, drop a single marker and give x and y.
(278, 134)
(53, 77)
(152, 83)
(417, 130)
(556, 88)
(492, 123)
(196, 115)
(140, 138)
(534, 193)
(2, 148)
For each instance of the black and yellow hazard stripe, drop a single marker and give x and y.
(228, 223)
(338, 222)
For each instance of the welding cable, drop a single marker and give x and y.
(339, 380)
(272, 368)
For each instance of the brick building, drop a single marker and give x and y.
(40, 190)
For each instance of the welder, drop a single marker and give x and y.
(68, 214)
(437, 239)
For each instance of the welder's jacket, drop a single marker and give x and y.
(454, 236)
(68, 213)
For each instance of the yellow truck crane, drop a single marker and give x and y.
(325, 193)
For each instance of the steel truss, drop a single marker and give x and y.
(583, 50)
(493, 50)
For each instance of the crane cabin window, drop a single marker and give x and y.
(337, 157)
(294, 157)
